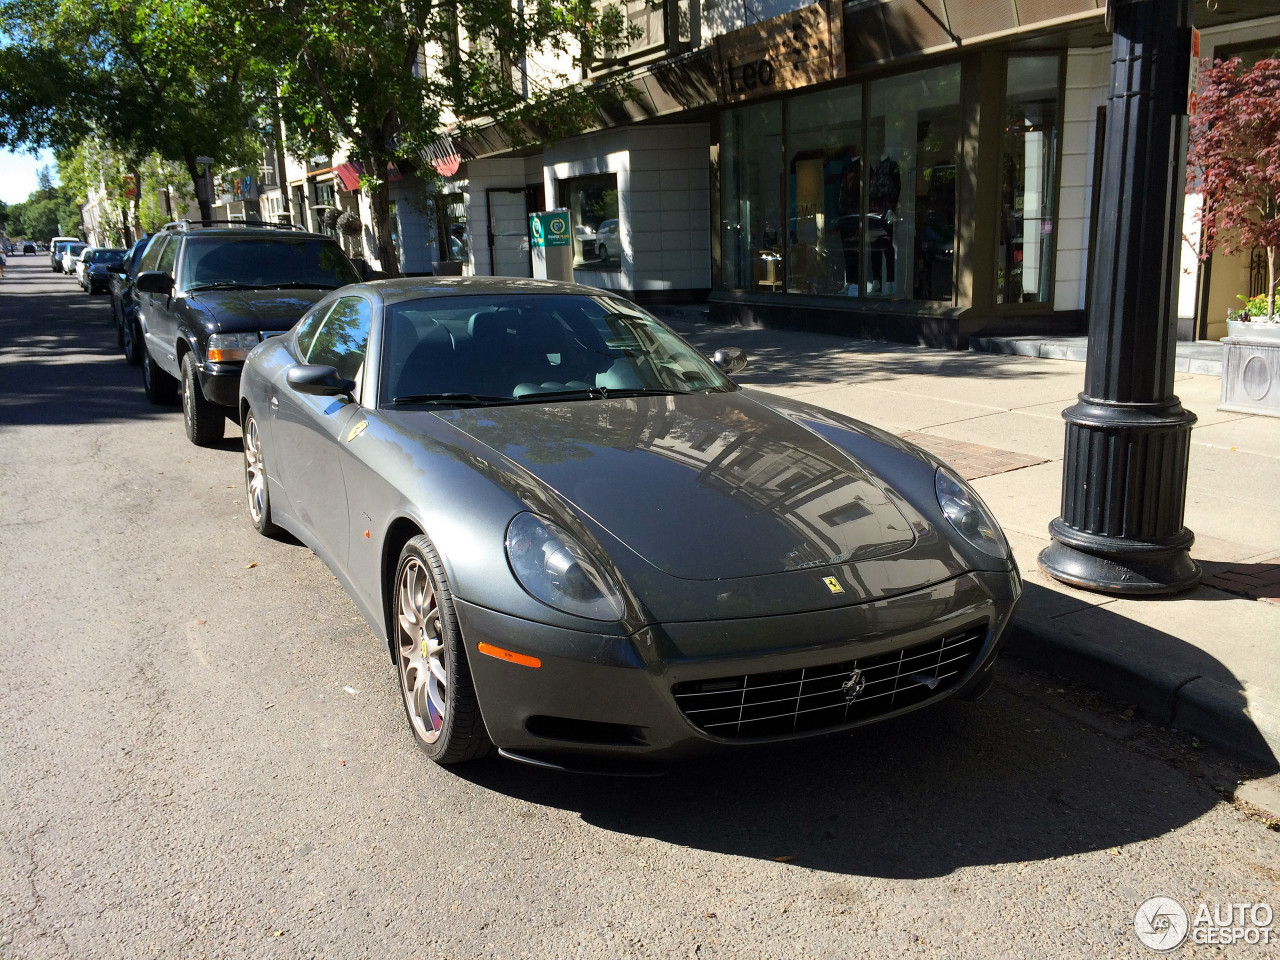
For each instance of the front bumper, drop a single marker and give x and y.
(220, 382)
(598, 702)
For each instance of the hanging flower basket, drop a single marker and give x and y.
(349, 224)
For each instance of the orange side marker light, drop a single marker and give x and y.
(509, 656)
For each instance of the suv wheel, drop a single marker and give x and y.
(203, 420)
(132, 342)
(161, 389)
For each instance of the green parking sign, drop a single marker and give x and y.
(549, 229)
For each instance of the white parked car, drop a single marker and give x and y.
(71, 256)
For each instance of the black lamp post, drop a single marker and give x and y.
(1124, 479)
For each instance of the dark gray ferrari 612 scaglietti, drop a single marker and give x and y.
(585, 545)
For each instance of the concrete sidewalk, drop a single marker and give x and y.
(1204, 661)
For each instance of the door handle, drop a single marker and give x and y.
(275, 402)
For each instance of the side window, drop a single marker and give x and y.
(149, 259)
(167, 256)
(308, 328)
(343, 338)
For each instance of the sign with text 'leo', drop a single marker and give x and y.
(795, 50)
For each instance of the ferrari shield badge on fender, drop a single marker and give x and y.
(833, 584)
(357, 430)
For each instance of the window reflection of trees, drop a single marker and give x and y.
(343, 337)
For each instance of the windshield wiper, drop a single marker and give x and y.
(299, 285)
(639, 392)
(454, 399)
(220, 285)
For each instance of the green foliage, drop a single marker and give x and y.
(145, 76)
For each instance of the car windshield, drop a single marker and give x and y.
(75, 249)
(509, 349)
(105, 255)
(268, 261)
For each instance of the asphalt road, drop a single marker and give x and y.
(203, 755)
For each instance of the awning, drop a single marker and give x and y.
(348, 174)
(443, 155)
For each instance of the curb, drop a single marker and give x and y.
(1213, 711)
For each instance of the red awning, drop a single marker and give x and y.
(348, 174)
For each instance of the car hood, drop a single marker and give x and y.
(270, 310)
(701, 486)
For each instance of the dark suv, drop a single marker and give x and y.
(206, 295)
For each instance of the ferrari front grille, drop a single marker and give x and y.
(831, 695)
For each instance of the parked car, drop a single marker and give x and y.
(583, 543)
(71, 253)
(207, 296)
(57, 247)
(123, 307)
(608, 242)
(98, 262)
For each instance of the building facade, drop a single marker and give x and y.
(912, 170)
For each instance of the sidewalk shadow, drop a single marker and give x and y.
(962, 785)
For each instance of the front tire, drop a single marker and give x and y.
(204, 421)
(258, 495)
(431, 661)
(161, 389)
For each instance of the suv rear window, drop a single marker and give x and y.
(273, 261)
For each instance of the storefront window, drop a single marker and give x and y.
(751, 188)
(824, 191)
(1029, 180)
(592, 203)
(913, 135)
(863, 181)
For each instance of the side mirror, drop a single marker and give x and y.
(154, 281)
(729, 360)
(319, 380)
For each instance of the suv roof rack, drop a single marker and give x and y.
(183, 226)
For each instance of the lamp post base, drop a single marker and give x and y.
(1125, 567)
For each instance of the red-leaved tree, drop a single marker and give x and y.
(1235, 150)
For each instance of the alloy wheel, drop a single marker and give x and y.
(255, 475)
(424, 678)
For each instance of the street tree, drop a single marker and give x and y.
(386, 80)
(1235, 153)
(145, 76)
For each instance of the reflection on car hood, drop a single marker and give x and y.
(702, 486)
(236, 310)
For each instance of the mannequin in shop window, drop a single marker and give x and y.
(884, 190)
(849, 218)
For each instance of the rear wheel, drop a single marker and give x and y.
(435, 679)
(160, 388)
(131, 342)
(204, 421)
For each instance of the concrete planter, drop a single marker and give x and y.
(1251, 368)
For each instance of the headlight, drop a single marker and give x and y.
(557, 570)
(965, 510)
(225, 347)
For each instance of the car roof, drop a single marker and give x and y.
(418, 288)
(257, 233)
